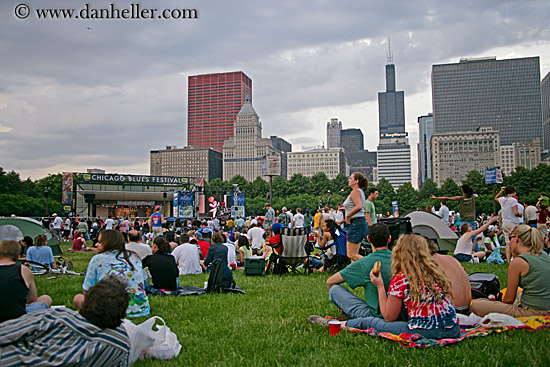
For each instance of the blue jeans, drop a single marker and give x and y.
(473, 224)
(348, 302)
(398, 327)
(152, 290)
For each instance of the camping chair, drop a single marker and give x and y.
(296, 249)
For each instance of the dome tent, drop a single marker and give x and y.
(15, 228)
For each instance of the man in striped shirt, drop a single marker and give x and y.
(93, 336)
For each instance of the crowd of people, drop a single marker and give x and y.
(411, 288)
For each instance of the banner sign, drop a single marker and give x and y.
(493, 175)
(186, 204)
(67, 192)
(132, 179)
(395, 208)
(134, 203)
(238, 207)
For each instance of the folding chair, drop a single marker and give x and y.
(296, 249)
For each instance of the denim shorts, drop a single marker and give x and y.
(357, 229)
(463, 258)
(35, 306)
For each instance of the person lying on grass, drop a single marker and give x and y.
(163, 268)
(114, 259)
(530, 269)
(93, 336)
(418, 283)
(17, 285)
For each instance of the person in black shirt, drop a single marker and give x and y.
(163, 269)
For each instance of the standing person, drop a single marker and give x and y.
(308, 219)
(283, 218)
(82, 227)
(56, 226)
(466, 207)
(356, 224)
(510, 214)
(338, 214)
(240, 224)
(256, 237)
(530, 214)
(155, 222)
(543, 214)
(66, 229)
(444, 212)
(269, 218)
(109, 223)
(530, 270)
(370, 210)
(421, 286)
(114, 259)
(298, 220)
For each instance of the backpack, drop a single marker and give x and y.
(484, 284)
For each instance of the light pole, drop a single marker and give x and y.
(46, 194)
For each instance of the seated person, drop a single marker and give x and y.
(218, 251)
(79, 243)
(93, 336)
(357, 274)
(172, 240)
(187, 257)
(25, 243)
(162, 267)
(113, 258)
(491, 242)
(275, 240)
(530, 270)
(460, 283)
(245, 251)
(419, 284)
(141, 249)
(464, 251)
(17, 285)
(231, 252)
(333, 238)
(41, 252)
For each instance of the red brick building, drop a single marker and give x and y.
(213, 103)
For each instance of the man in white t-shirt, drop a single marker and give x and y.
(135, 245)
(256, 237)
(56, 226)
(510, 214)
(109, 222)
(530, 215)
(187, 257)
(298, 220)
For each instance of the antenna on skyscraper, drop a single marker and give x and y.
(390, 54)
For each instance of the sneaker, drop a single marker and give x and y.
(317, 320)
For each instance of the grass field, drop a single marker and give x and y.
(267, 327)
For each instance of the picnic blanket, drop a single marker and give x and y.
(407, 340)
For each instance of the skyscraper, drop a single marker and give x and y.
(352, 140)
(333, 133)
(426, 128)
(213, 103)
(391, 104)
(503, 94)
(545, 92)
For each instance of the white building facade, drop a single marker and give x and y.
(308, 163)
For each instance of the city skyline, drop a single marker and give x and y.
(73, 98)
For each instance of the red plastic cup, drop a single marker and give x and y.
(334, 327)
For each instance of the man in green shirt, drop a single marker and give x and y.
(357, 274)
(370, 214)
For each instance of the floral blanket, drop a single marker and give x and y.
(407, 340)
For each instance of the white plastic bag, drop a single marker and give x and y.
(148, 343)
(498, 319)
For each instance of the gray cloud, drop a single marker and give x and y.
(74, 97)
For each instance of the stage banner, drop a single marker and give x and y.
(186, 204)
(67, 192)
(238, 205)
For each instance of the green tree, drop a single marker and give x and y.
(299, 184)
(386, 194)
(408, 198)
(477, 182)
(428, 188)
(320, 183)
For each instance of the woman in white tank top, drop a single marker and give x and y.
(356, 224)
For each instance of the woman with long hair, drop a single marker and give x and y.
(421, 285)
(356, 224)
(114, 259)
(530, 270)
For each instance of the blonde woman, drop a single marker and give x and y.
(418, 283)
(356, 224)
(530, 269)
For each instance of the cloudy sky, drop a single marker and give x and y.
(88, 93)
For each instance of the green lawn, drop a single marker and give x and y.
(267, 327)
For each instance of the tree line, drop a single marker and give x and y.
(27, 197)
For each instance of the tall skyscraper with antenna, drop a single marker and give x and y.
(391, 103)
(394, 152)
